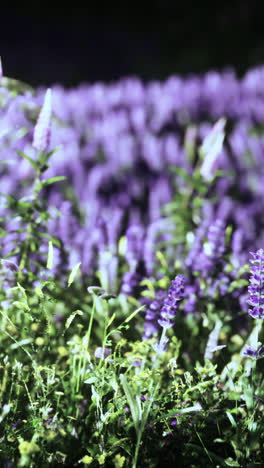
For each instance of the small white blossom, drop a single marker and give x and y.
(211, 148)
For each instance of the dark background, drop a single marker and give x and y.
(44, 45)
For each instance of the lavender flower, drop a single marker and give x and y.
(160, 346)
(196, 246)
(102, 353)
(41, 138)
(254, 353)
(160, 229)
(191, 293)
(131, 280)
(152, 314)
(250, 352)
(171, 302)
(256, 287)
(134, 248)
(120, 136)
(9, 265)
(215, 246)
(237, 248)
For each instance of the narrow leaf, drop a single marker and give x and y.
(134, 313)
(132, 405)
(110, 321)
(70, 319)
(190, 409)
(231, 419)
(50, 256)
(73, 273)
(50, 181)
(18, 344)
(55, 240)
(44, 157)
(31, 161)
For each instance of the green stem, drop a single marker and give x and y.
(29, 230)
(143, 422)
(256, 332)
(254, 338)
(156, 361)
(88, 335)
(139, 436)
(140, 430)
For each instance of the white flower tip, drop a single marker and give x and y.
(41, 136)
(47, 104)
(48, 96)
(212, 147)
(219, 125)
(217, 348)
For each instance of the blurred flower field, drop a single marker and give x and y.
(132, 271)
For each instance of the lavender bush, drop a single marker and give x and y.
(131, 312)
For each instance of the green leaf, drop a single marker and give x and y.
(134, 313)
(55, 241)
(231, 419)
(21, 305)
(24, 342)
(131, 402)
(179, 411)
(3, 233)
(31, 161)
(12, 200)
(70, 319)
(161, 257)
(13, 252)
(237, 284)
(50, 181)
(16, 86)
(181, 172)
(44, 157)
(24, 205)
(230, 462)
(110, 321)
(73, 273)
(91, 380)
(50, 256)
(147, 282)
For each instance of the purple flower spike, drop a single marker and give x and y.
(216, 240)
(255, 289)
(171, 302)
(41, 138)
(135, 235)
(152, 314)
(131, 281)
